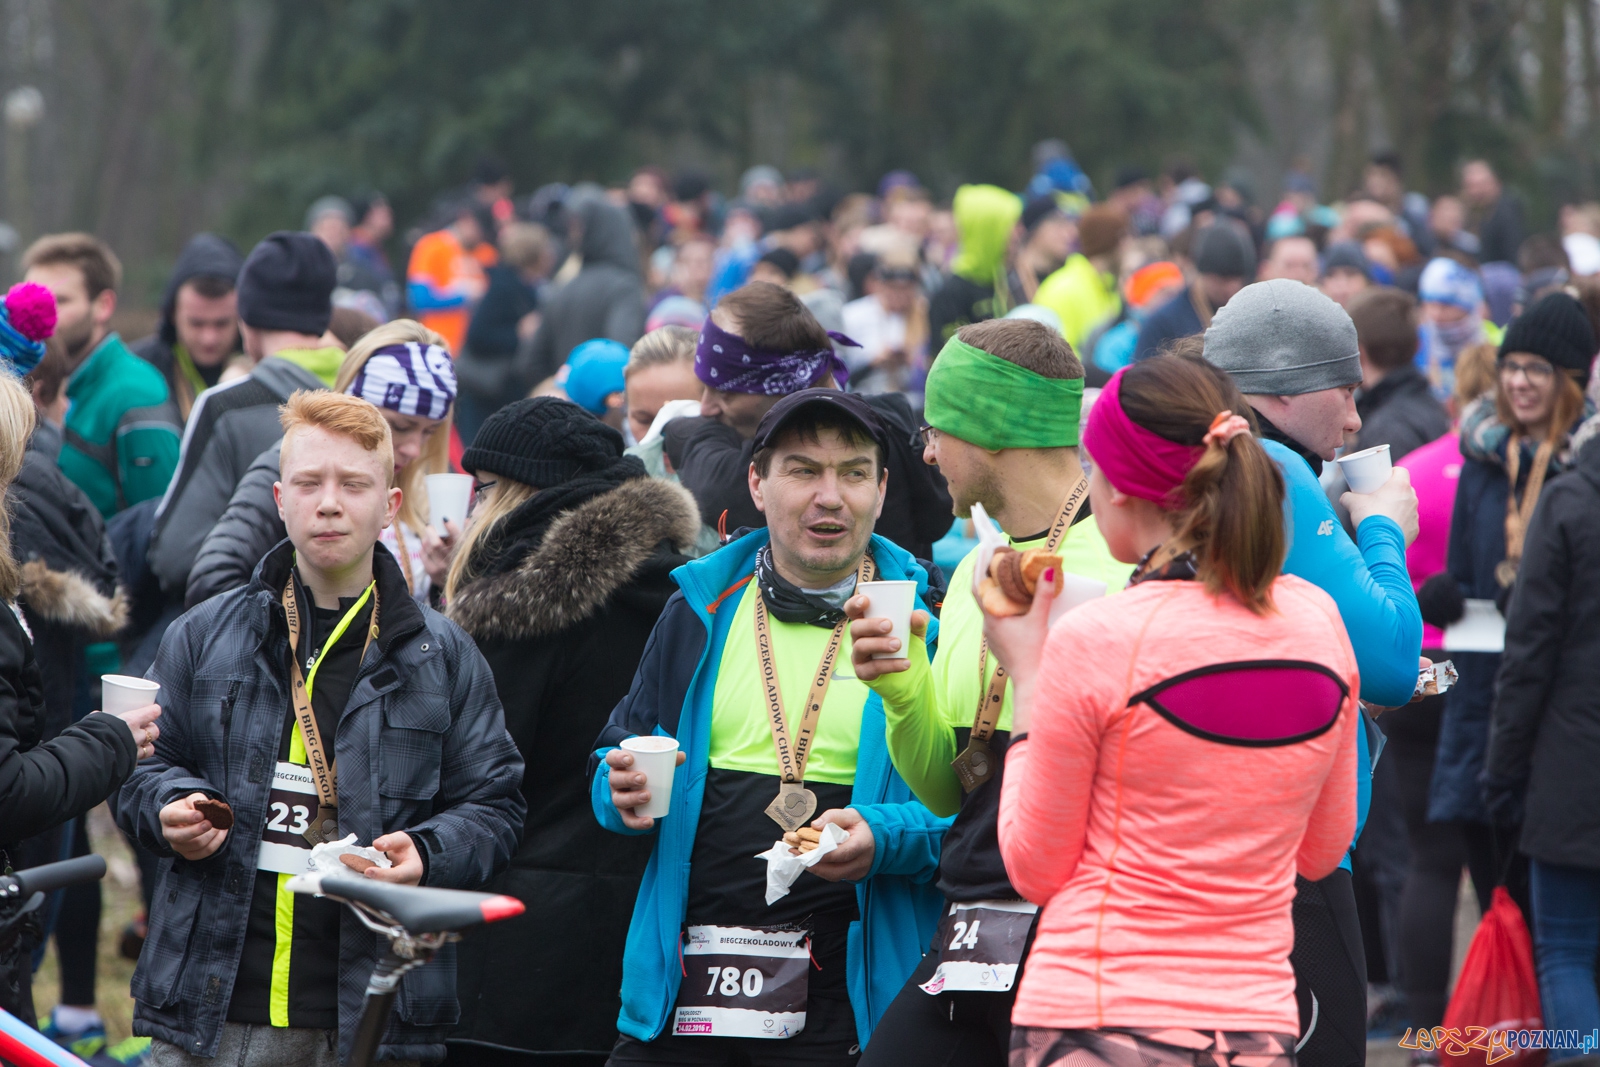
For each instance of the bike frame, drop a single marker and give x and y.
(23, 1046)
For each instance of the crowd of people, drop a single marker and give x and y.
(1153, 771)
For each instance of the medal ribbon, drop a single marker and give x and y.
(993, 699)
(1518, 514)
(322, 771)
(794, 749)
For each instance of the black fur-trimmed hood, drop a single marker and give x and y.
(587, 555)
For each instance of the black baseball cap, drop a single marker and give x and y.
(848, 404)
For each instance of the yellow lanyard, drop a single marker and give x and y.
(338, 632)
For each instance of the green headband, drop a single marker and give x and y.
(994, 404)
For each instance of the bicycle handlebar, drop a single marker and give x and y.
(23, 884)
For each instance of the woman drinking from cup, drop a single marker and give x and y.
(1179, 752)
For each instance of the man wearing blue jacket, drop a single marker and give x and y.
(753, 680)
(1293, 353)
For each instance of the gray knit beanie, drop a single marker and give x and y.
(1284, 338)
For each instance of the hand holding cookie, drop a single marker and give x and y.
(217, 812)
(1013, 580)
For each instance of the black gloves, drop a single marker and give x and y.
(1441, 601)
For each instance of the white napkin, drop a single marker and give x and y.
(325, 857)
(783, 867)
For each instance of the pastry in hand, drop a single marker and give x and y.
(1014, 578)
(359, 864)
(217, 812)
(804, 839)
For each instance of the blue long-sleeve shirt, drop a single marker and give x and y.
(1368, 581)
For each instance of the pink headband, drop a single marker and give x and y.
(1135, 460)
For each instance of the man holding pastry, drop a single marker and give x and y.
(1003, 403)
(319, 703)
(748, 673)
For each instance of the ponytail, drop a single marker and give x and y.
(1231, 510)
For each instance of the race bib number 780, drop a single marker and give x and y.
(742, 982)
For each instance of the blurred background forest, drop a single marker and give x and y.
(144, 120)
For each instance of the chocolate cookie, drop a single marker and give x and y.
(1006, 569)
(217, 811)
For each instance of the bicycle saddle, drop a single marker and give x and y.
(420, 909)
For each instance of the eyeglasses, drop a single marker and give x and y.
(928, 435)
(479, 488)
(1535, 370)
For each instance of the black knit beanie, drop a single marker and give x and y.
(287, 284)
(1556, 328)
(542, 441)
(1224, 250)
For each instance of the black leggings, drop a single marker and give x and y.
(78, 929)
(966, 1029)
(1433, 875)
(1330, 972)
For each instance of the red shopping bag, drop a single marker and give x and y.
(1498, 991)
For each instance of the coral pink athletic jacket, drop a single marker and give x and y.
(1185, 759)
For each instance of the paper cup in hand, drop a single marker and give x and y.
(1367, 470)
(656, 758)
(448, 497)
(121, 693)
(892, 601)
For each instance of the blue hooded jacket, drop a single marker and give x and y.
(671, 695)
(1368, 581)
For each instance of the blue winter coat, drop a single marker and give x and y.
(671, 695)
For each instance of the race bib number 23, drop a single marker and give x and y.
(290, 807)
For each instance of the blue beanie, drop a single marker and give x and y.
(27, 317)
(594, 372)
(1444, 281)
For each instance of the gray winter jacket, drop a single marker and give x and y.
(245, 532)
(606, 299)
(421, 748)
(227, 430)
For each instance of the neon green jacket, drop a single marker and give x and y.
(1082, 296)
(984, 215)
(924, 706)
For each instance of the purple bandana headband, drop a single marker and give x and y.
(409, 378)
(724, 361)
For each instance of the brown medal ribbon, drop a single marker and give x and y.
(325, 827)
(1518, 515)
(794, 805)
(976, 764)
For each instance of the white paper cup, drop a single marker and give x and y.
(1367, 470)
(448, 498)
(121, 693)
(892, 601)
(655, 757)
